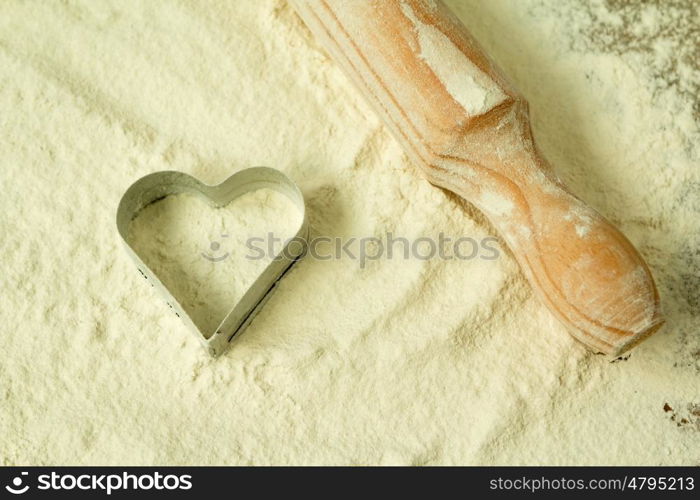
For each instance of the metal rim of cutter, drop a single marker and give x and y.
(158, 185)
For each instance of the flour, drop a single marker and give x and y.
(402, 362)
(207, 257)
(473, 89)
(582, 222)
(499, 205)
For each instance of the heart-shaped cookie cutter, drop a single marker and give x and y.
(158, 185)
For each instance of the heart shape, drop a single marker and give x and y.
(159, 185)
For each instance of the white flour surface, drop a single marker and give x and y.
(397, 362)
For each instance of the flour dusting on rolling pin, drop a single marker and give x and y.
(468, 129)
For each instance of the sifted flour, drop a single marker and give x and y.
(402, 362)
(208, 257)
(471, 87)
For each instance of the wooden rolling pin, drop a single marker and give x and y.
(467, 128)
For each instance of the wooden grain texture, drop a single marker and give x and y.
(468, 130)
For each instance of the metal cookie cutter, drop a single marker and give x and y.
(157, 186)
